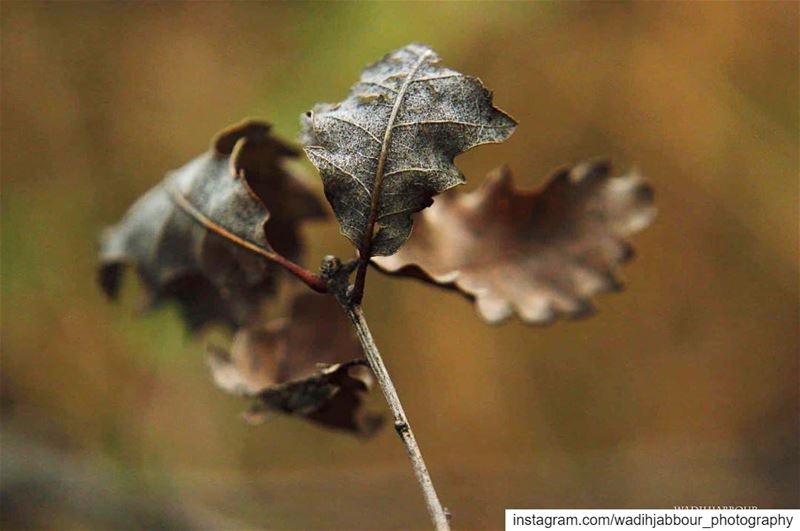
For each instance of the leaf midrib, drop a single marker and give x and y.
(384, 153)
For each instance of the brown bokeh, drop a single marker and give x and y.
(682, 390)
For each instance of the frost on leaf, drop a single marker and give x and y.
(241, 185)
(388, 148)
(537, 254)
(304, 366)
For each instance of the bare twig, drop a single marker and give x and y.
(337, 275)
(435, 508)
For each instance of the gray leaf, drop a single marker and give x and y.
(388, 148)
(241, 185)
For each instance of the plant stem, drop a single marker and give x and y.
(435, 509)
(361, 274)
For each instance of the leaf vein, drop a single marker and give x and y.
(453, 122)
(356, 179)
(408, 170)
(378, 84)
(354, 124)
(435, 78)
(387, 137)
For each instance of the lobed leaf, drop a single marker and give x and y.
(537, 254)
(388, 148)
(241, 185)
(304, 366)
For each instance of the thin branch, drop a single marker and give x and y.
(435, 509)
(336, 275)
(309, 278)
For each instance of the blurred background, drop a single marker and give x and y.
(682, 390)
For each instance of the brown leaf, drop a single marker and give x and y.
(303, 366)
(537, 254)
(241, 185)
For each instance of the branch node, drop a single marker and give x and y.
(400, 427)
(335, 275)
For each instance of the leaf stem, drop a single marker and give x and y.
(365, 249)
(437, 512)
(309, 278)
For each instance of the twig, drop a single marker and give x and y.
(437, 512)
(336, 274)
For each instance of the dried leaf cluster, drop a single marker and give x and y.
(200, 238)
(220, 234)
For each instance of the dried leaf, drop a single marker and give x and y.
(304, 366)
(388, 148)
(241, 185)
(537, 254)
